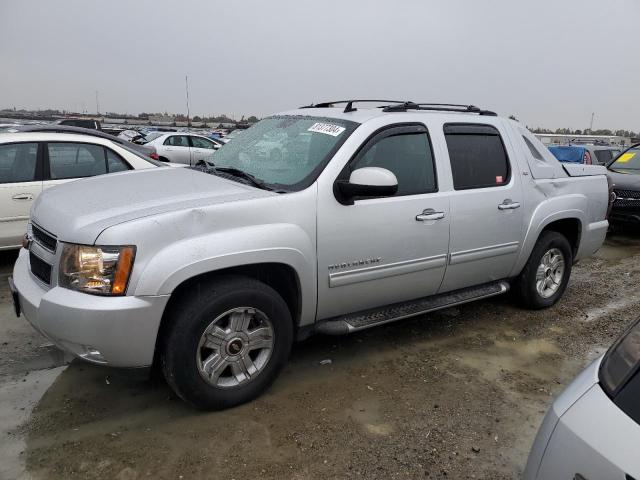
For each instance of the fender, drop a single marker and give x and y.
(207, 253)
(571, 206)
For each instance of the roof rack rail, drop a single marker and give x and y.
(350, 107)
(403, 106)
(440, 107)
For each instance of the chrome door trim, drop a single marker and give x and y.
(483, 252)
(339, 279)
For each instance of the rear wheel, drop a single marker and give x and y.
(546, 274)
(227, 342)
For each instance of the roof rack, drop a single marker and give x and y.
(440, 107)
(403, 106)
(350, 107)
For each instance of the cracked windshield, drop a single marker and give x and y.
(285, 150)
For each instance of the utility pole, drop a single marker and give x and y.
(186, 84)
(591, 125)
(97, 104)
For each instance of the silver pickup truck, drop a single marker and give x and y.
(320, 219)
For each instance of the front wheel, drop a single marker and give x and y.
(226, 342)
(546, 274)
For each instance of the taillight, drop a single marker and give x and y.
(587, 158)
(154, 155)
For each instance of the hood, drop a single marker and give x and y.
(79, 211)
(625, 181)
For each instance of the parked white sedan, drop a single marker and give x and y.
(31, 162)
(182, 147)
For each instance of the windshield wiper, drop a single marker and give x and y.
(236, 172)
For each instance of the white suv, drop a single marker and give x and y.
(31, 162)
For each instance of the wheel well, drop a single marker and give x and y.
(571, 228)
(282, 278)
(163, 159)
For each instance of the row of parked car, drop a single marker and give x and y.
(326, 220)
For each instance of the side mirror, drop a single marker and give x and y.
(367, 182)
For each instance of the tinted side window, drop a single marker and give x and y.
(18, 162)
(198, 142)
(75, 160)
(477, 154)
(604, 156)
(115, 163)
(534, 151)
(177, 141)
(408, 156)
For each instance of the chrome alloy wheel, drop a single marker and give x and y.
(235, 347)
(550, 273)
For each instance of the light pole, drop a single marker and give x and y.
(186, 84)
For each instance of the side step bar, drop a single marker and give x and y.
(353, 322)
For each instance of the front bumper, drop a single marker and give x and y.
(625, 215)
(115, 331)
(585, 433)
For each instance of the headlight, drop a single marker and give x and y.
(97, 270)
(621, 361)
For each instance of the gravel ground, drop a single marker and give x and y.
(455, 394)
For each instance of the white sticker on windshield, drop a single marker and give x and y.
(326, 128)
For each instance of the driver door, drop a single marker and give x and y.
(380, 251)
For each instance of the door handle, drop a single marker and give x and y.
(508, 205)
(23, 196)
(429, 214)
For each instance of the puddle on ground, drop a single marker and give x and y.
(19, 397)
(619, 246)
(600, 312)
(512, 357)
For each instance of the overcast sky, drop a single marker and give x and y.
(549, 62)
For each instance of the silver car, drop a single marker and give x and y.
(592, 430)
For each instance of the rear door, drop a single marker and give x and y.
(20, 184)
(486, 205)
(177, 149)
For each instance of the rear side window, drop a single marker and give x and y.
(477, 154)
(18, 162)
(408, 156)
(604, 156)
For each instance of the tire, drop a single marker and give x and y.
(527, 286)
(223, 306)
(163, 159)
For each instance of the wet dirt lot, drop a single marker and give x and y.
(455, 394)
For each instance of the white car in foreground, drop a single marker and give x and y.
(31, 162)
(183, 147)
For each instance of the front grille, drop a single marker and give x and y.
(45, 239)
(40, 268)
(627, 198)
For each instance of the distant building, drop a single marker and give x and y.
(564, 139)
(162, 119)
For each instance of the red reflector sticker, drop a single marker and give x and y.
(499, 179)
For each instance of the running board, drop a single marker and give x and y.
(390, 313)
